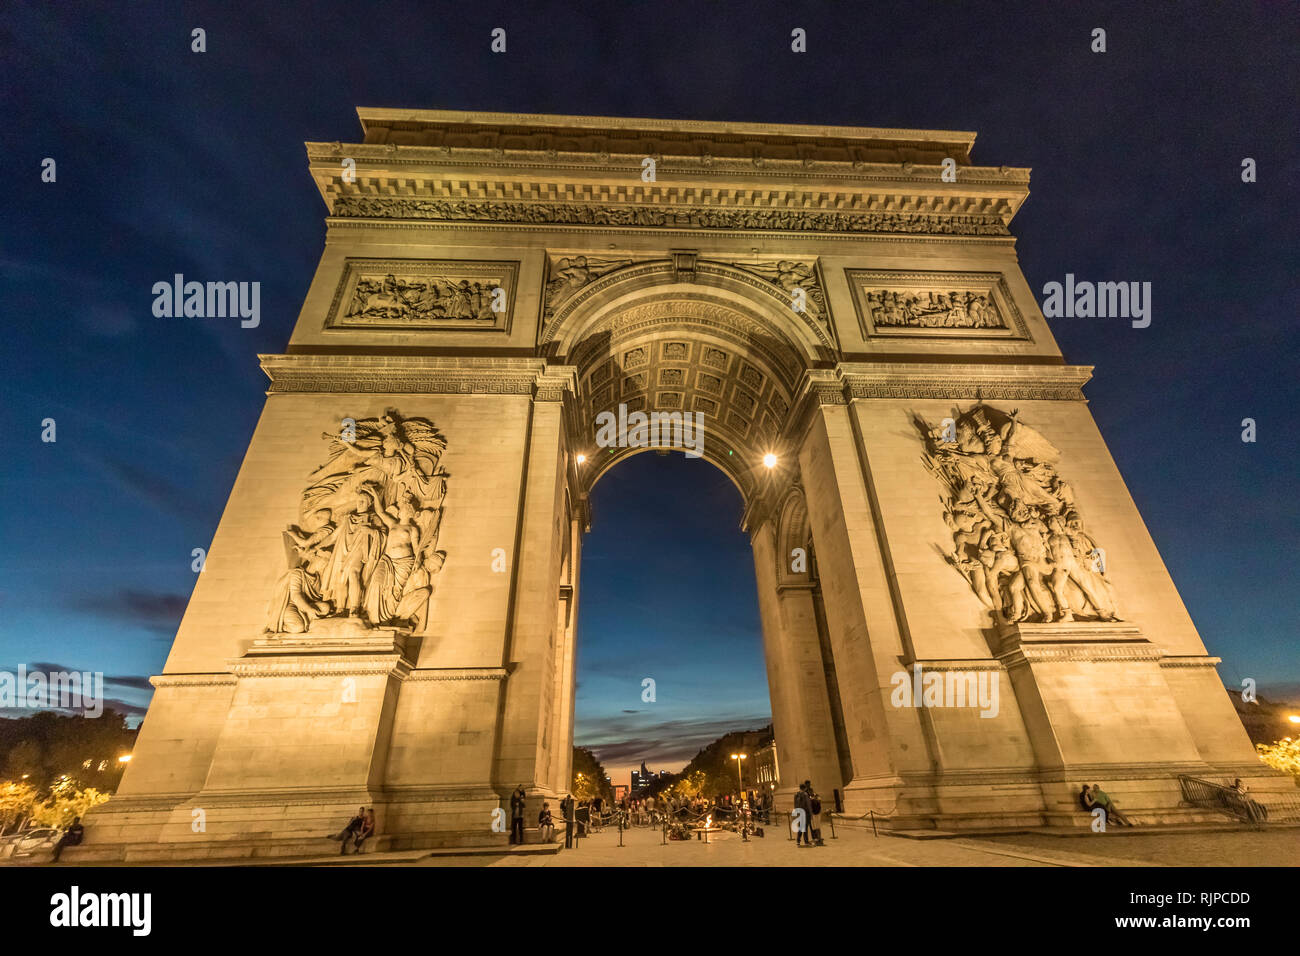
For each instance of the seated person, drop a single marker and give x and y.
(366, 830)
(1102, 799)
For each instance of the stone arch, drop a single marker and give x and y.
(572, 319)
(793, 531)
(655, 345)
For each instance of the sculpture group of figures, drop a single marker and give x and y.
(932, 310)
(1016, 533)
(411, 298)
(366, 543)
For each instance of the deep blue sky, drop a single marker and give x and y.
(170, 161)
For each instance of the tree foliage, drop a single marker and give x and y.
(1283, 755)
(47, 747)
(589, 777)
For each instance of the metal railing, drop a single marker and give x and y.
(1263, 807)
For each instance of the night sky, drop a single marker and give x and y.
(171, 161)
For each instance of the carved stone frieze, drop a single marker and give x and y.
(699, 217)
(405, 294)
(938, 304)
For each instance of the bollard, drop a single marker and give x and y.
(833, 837)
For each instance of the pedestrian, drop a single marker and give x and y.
(71, 837)
(1256, 812)
(566, 808)
(518, 800)
(815, 816)
(802, 814)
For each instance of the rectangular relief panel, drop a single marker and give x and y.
(967, 305)
(410, 294)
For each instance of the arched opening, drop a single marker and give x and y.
(670, 652)
(723, 355)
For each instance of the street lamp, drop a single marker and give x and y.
(740, 779)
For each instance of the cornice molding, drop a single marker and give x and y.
(966, 382)
(458, 673)
(321, 665)
(160, 681)
(437, 375)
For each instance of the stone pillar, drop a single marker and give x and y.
(863, 626)
(533, 649)
(565, 669)
(796, 677)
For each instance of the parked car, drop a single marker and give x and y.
(29, 842)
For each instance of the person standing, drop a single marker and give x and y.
(570, 821)
(815, 816)
(518, 800)
(802, 819)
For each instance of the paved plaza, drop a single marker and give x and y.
(856, 847)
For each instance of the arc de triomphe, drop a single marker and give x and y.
(386, 616)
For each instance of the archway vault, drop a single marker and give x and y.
(716, 343)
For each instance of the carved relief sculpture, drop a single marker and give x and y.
(570, 274)
(935, 304)
(366, 543)
(931, 310)
(791, 274)
(1017, 536)
(424, 294)
(591, 214)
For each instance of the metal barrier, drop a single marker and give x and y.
(1257, 808)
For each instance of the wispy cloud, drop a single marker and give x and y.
(156, 611)
(618, 741)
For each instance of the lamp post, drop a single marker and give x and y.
(740, 779)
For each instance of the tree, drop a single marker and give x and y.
(26, 759)
(1283, 755)
(65, 802)
(16, 801)
(589, 777)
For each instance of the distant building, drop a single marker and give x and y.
(767, 773)
(641, 779)
(620, 791)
